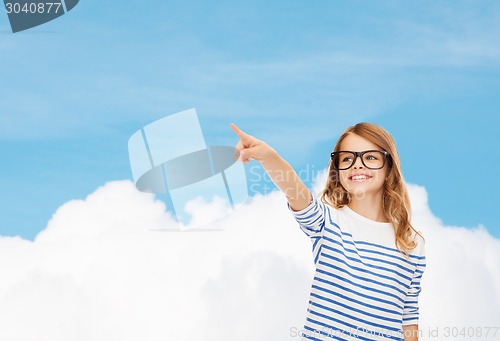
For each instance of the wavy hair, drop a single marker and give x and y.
(395, 201)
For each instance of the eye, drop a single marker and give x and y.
(373, 156)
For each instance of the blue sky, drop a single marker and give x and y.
(293, 73)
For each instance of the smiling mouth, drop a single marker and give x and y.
(359, 177)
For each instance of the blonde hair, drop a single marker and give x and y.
(395, 202)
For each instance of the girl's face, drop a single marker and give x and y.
(359, 180)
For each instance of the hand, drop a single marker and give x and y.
(250, 147)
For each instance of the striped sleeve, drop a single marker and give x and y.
(312, 218)
(411, 311)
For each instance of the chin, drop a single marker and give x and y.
(357, 191)
(358, 186)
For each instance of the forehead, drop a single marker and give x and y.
(356, 143)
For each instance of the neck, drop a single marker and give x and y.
(370, 206)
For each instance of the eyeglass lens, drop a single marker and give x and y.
(371, 159)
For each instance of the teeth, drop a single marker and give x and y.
(359, 177)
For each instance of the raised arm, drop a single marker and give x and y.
(280, 171)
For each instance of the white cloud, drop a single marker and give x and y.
(100, 271)
(462, 280)
(202, 211)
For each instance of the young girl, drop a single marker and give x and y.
(369, 259)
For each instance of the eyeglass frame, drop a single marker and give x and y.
(360, 154)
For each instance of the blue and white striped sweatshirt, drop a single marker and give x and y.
(363, 288)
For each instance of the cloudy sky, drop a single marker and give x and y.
(76, 244)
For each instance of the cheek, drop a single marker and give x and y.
(380, 177)
(343, 178)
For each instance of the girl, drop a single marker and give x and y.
(369, 259)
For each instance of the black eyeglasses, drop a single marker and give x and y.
(371, 159)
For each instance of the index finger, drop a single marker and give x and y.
(240, 132)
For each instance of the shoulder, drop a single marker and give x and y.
(418, 237)
(328, 208)
(327, 205)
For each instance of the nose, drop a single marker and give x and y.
(358, 163)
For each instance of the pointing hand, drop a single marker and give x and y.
(250, 147)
